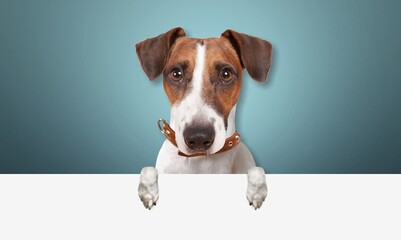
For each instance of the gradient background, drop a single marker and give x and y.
(73, 98)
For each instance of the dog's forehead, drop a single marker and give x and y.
(218, 49)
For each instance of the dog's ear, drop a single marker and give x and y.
(153, 52)
(255, 54)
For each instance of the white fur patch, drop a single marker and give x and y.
(148, 189)
(231, 122)
(197, 77)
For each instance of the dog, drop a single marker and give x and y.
(202, 79)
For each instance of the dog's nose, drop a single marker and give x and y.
(199, 138)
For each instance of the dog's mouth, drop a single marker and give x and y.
(194, 152)
(198, 151)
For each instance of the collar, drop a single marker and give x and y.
(169, 133)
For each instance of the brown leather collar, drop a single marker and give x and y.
(169, 133)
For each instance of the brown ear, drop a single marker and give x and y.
(255, 53)
(153, 52)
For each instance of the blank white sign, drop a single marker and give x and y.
(200, 207)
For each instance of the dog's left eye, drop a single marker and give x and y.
(226, 75)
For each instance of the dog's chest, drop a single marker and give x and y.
(168, 161)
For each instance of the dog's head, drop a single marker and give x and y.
(202, 79)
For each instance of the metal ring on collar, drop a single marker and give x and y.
(160, 124)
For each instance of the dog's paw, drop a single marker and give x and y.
(257, 188)
(148, 189)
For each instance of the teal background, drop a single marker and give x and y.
(73, 98)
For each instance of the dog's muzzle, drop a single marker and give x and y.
(197, 139)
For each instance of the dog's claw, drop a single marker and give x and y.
(148, 189)
(257, 188)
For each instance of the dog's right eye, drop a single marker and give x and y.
(176, 74)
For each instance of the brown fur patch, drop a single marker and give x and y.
(184, 51)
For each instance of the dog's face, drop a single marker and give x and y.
(202, 80)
